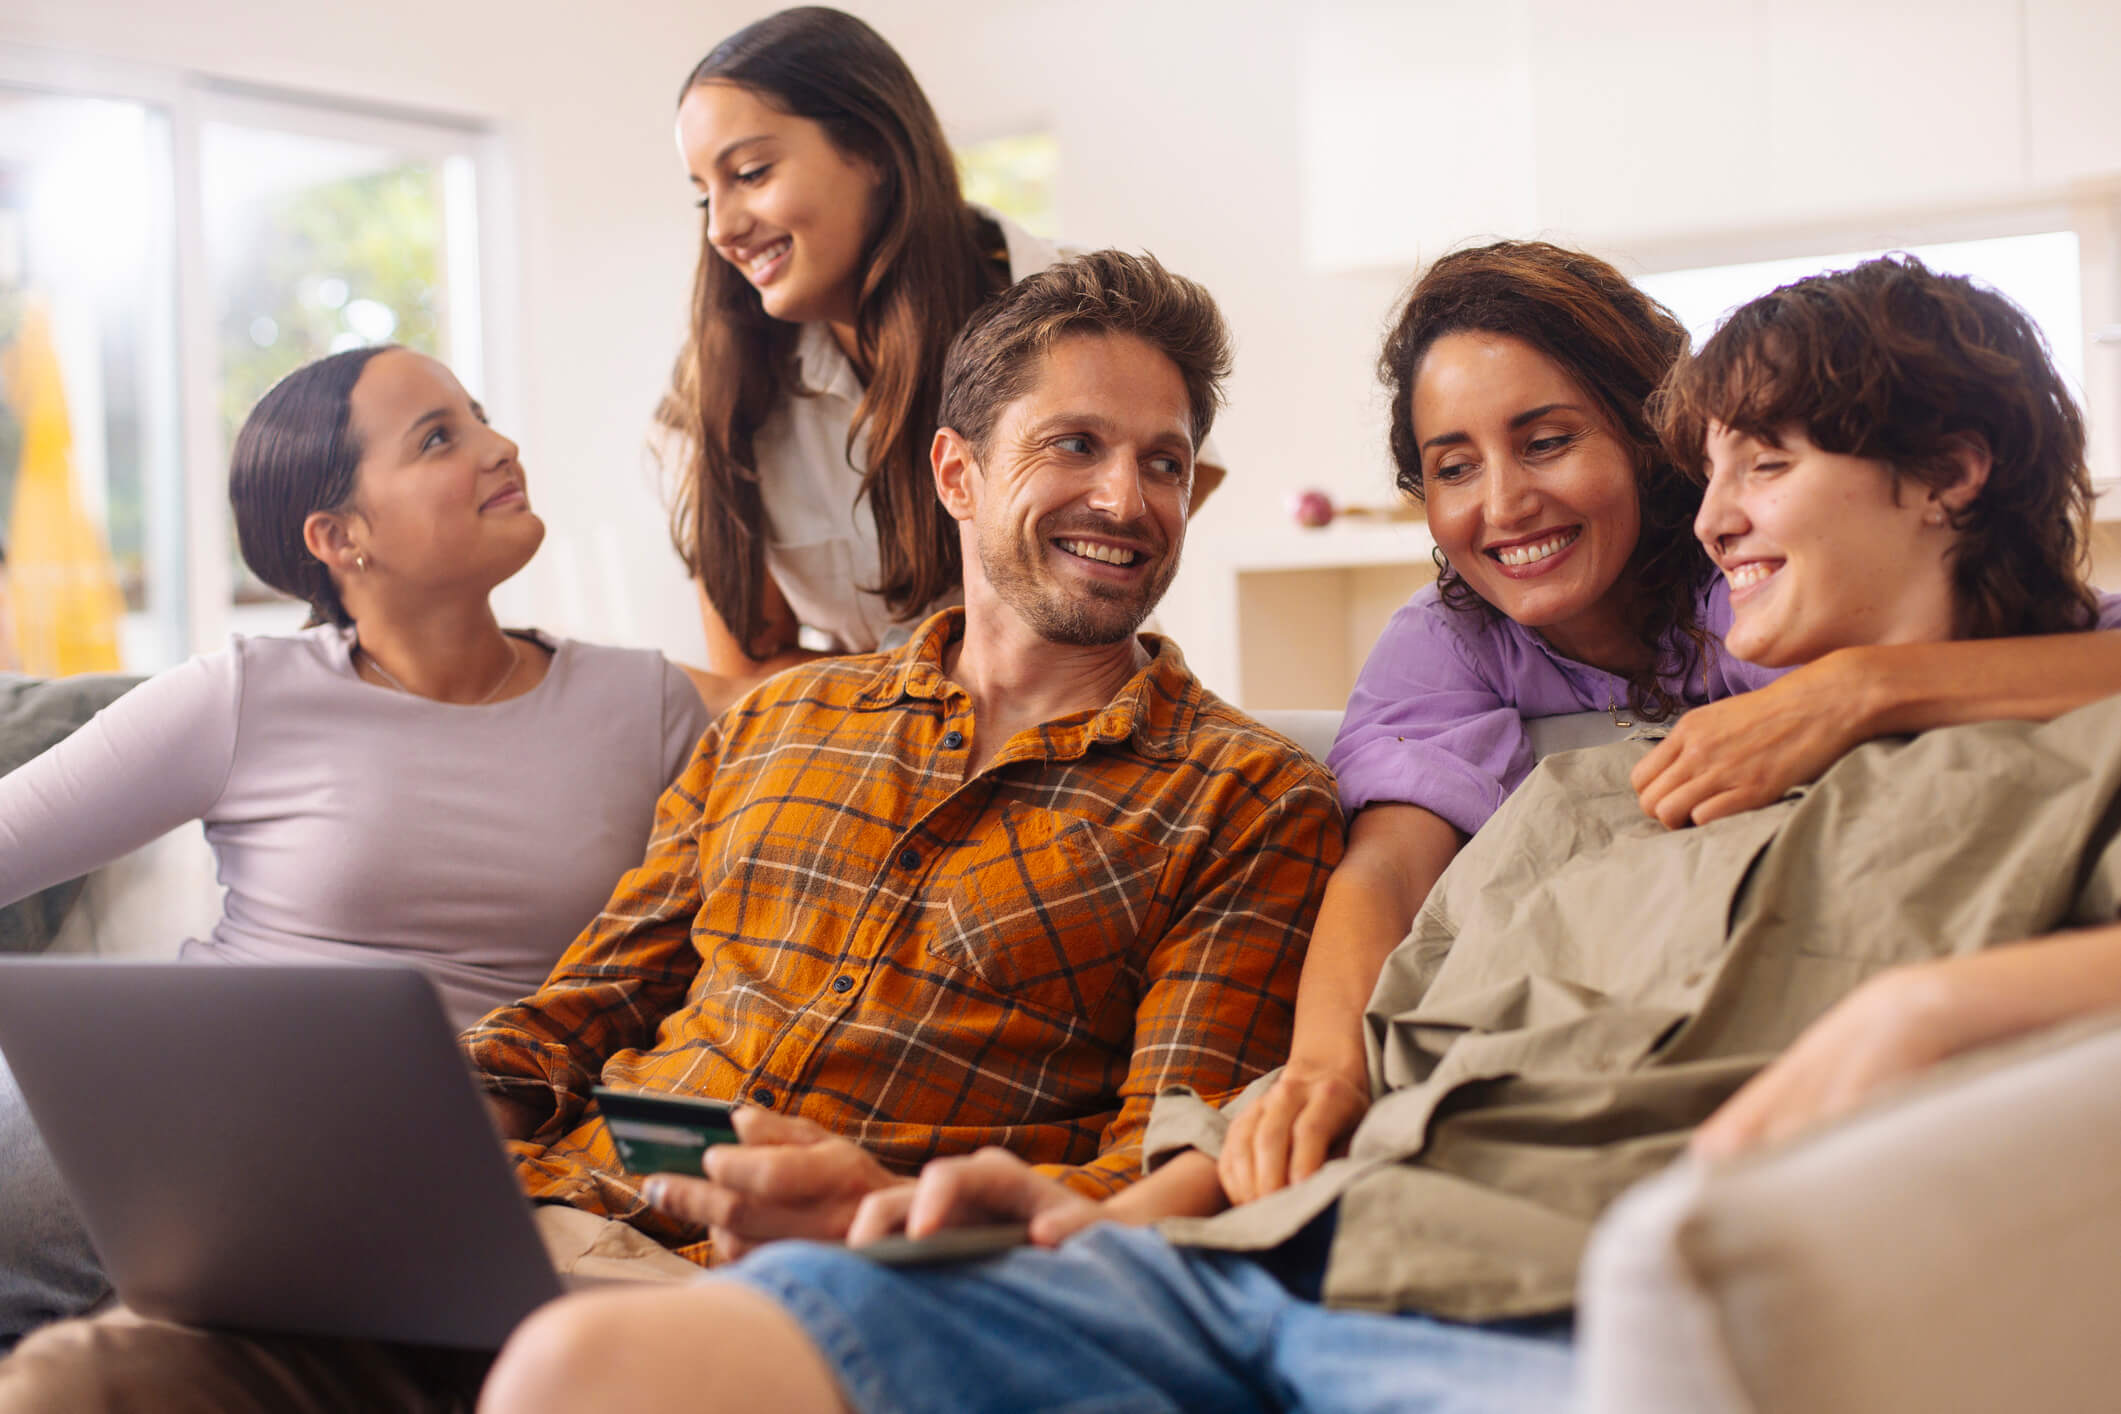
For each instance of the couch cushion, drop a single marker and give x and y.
(35, 713)
(1949, 1250)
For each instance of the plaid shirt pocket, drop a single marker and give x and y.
(1048, 920)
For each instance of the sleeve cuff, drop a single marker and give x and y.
(1182, 1120)
(1406, 773)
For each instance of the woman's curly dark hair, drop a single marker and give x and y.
(1617, 344)
(1894, 362)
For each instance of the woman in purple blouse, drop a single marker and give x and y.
(1569, 581)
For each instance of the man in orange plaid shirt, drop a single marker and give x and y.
(1001, 886)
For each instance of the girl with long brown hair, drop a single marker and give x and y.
(838, 258)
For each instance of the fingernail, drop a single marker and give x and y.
(652, 1190)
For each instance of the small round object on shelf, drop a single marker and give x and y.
(1311, 507)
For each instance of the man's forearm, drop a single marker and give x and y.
(2000, 993)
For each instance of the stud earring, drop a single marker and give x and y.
(361, 563)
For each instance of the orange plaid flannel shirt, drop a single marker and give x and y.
(832, 922)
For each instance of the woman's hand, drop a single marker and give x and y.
(1289, 1133)
(1750, 750)
(1395, 854)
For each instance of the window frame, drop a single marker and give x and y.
(190, 501)
(2093, 215)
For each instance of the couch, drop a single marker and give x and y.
(1952, 1248)
(141, 905)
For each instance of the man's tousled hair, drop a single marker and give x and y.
(996, 356)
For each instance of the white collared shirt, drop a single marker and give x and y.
(821, 543)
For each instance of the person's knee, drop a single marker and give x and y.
(87, 1365)
(48, 1267)
(699, 1349)
(556, 1357)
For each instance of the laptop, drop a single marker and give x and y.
(276, 1148)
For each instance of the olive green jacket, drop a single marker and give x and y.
(1584, 987)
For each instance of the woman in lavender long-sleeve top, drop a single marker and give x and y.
(1570, 581)
(401, 782)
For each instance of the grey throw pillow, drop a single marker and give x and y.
(35, 713)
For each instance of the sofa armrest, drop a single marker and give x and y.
(1950, 1249)
(145, 904)
(1313, 729)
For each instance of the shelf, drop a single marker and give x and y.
(1341, 545)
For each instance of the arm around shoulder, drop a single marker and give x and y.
(1749, 750)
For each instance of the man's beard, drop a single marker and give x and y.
(1089, 616)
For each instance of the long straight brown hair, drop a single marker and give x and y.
(925, 267)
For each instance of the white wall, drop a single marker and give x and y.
(1180, 129)
(1650, 128)
(1301, 159)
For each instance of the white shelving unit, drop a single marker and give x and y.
(1283, 618)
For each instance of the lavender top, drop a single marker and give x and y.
(1437, 716)
(352, 823)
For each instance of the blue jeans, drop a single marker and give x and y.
(47, 1267)
(1118, 1321)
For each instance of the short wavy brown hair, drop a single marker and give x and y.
(1894, 362)
(994, 358)
(1617, 344)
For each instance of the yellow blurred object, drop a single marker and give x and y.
(63, 587)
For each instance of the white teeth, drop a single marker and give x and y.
(1749, 574)
(767, 256)
(1539, 550)
(1110, 554)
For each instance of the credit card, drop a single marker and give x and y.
(658, 1133)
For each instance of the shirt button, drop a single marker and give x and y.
(953, 740)
(909, 859)
(843, 984)
(762, 1096)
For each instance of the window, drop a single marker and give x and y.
(2041, 272)
(321, 237)
(90, 504)
(180, 245)
(1018, 176)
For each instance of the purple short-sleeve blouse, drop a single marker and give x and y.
(1437, 716)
